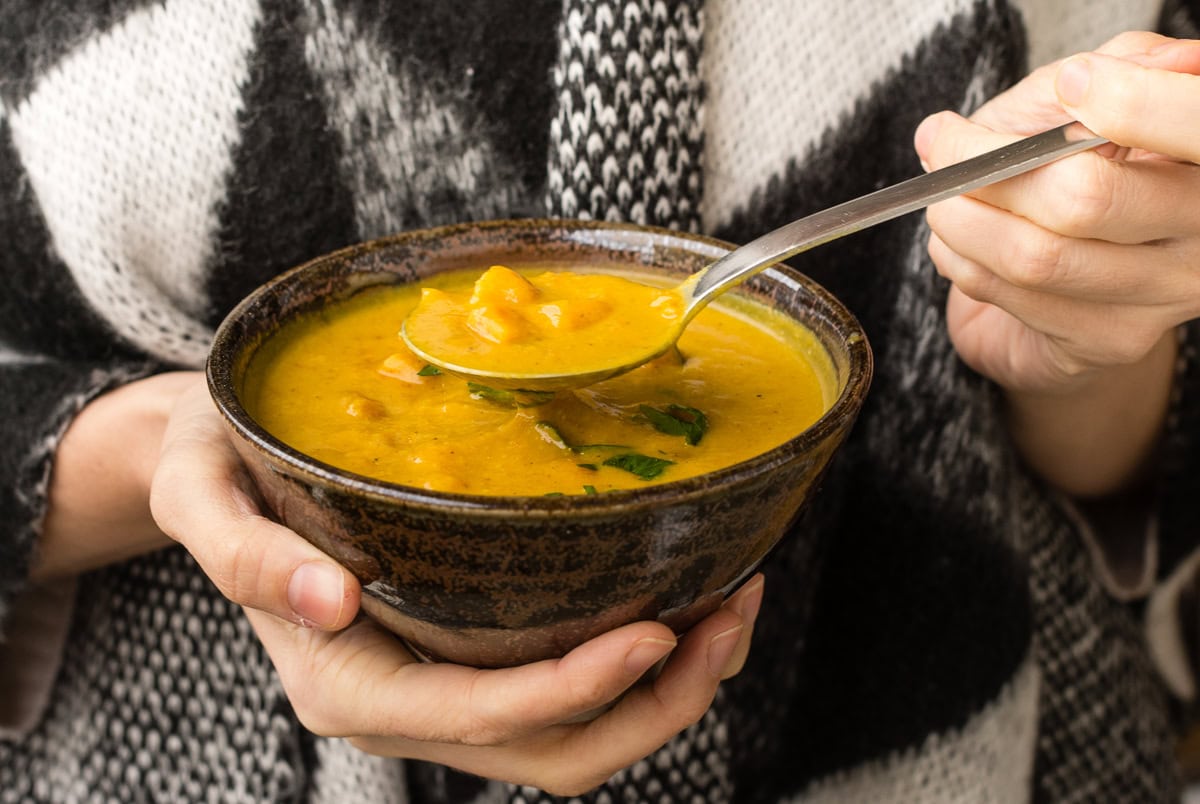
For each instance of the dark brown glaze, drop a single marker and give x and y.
(496, 581)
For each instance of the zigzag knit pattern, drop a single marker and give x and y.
(160, 158)
(626, 143)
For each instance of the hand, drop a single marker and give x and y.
(352, 679)
(1069, 282)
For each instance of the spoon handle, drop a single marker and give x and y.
(890, 202)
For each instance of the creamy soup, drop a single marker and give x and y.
(553, 322)
(340, 386)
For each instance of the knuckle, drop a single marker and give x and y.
(318, 721)
(1090, 203)
(1125, 42)
(1136, 342)
(164, 508)
(239, 571)
(588, 690)
(569, 788)
(319, 718)
(571, 783)
(971, 279)
(1037, 260)
(481, 724)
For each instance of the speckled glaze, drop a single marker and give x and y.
(497, 581)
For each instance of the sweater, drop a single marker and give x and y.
(972, 635)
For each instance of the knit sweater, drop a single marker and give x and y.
(971, 639)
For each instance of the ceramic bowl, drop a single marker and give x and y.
(497, 581)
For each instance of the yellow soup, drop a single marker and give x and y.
(546, 323)
(341, 387)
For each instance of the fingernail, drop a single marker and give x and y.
(645, 652)
(316, 592)
(720, 649)
(1073, 79)
(924, 136)
(749, 600)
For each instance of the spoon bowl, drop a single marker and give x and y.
(817, 229)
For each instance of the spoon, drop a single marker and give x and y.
(791, 239)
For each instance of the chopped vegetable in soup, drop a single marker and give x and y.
(340, 386)
(552, 322)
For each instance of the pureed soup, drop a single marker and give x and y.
(340, 386)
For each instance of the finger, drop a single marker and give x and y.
(649, 715)
(572, 758)
(1071, 336)
(745, 603)
(387, 695)
(1134, 105)
(202, 498)
(1026, 255)
(1085, 195)
(1032, 104)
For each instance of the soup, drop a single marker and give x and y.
(340, 386)
(554, 322)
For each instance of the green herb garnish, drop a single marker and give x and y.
(518, 398)
(677, 420)
(643, 466)
(590, 490)
(429, 370)
(589, 466)
(554, 494)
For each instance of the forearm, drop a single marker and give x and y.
(99, 510)
(1098, 437)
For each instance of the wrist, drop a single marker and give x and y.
(98, 508)
(1096, 434)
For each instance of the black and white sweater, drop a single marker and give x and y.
(160, 158)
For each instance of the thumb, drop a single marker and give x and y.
(1137, 105)
(202, 497)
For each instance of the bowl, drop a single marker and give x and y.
(496, 581)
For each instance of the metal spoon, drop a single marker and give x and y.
(791, 239)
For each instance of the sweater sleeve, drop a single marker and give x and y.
(57, 353)
(1173, 613)
(39, 398)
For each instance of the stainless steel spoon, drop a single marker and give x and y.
(816, 229)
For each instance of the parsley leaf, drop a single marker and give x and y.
(677, 420)
(643, 466)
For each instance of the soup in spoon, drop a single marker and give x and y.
(515, 331)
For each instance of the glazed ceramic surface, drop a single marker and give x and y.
(497, 581)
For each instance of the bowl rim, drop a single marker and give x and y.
(224, 350)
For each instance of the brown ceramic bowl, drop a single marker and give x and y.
(496, 581)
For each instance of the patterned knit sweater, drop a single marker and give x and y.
(972, 639)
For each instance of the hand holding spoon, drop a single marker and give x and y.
(654, 335)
